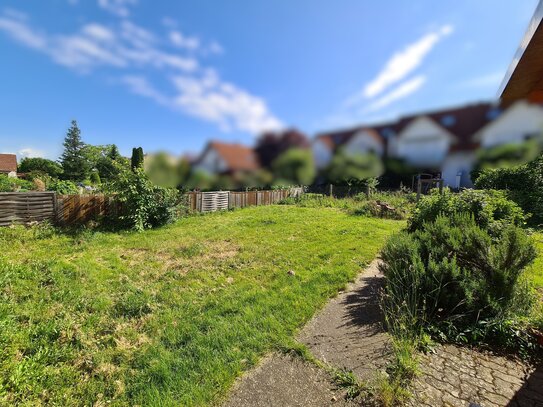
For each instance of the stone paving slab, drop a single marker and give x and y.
(455, 376)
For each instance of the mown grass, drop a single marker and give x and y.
(169, 316)
(535, 272)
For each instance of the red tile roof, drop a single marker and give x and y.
(334, 140)
(236, 156)
(464, 122)
(8, 162)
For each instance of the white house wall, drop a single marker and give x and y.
(211, 162)
(423, 143)
(321, 154)
(364, 142)
(520, 121)
(460, 163)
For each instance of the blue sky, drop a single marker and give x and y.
(169, 75)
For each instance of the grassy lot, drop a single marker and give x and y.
(536, 270)
(170, 316)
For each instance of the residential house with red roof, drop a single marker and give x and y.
(445, 140)
(8, 165)
(227, 158)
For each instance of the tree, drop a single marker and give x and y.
(74, 162)
(110, 162)
(349, 168)
(294, 167)
(137, 158)
(271, 145)
(42, 165)
(161, 169)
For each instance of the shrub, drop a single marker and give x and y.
(63, 187)
(143, 204)
(453, 270)
(12, 184)
(491, 210)
(524, 184)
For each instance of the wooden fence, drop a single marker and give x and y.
(80, 209)
(72, 210)
(217, 200)
(26, 207)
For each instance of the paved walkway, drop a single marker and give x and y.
(454, 376)
(347, 334)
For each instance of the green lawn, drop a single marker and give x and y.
(536, 270)
(170, 316)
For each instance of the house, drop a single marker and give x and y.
(445, 141)
(358, 140)
(8, 165)
(227, 158)
(524, 78)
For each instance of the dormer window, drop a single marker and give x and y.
(448, 120)
(493, 113)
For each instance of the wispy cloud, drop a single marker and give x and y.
(30, 152)
(492, 79)
(212, 99)
(138, 55)
(120, 8)
(403, 90)
(400, 65)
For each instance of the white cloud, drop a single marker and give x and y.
(403, 90)
(96, 45)
(30, 152)
(182, 41)
(120, 8)
(492, 79)
(209, 98)
(400, 65)
(136, 53)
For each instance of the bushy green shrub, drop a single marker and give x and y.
(524, 184)
(143, 204)
(453, 270)
(13, 184)
(491, 209)
(63, 187)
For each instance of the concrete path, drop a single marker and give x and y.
(346, 334)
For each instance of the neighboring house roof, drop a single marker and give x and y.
(237, 157)
(8, 163)
(336, 139)
(462, 122)
(524, 77)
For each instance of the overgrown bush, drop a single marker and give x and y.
(143, 204)
(455, 271)
(524, 184)
(63, 187)
(491, 209)
(13, 184)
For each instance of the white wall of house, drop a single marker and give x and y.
(364, 142)
(211, 162)
(521, 121)
(423, 143)
(458, 164)
(12, 174)
(321, 153)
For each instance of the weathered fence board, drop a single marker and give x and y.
(26, 207)
(71, 210)
(80, 209)
(217, 200)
